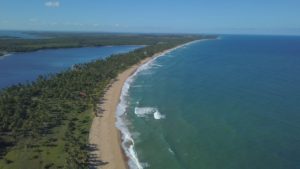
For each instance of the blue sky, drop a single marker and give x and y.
(165, 16)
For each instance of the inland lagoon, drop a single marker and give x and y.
(27, 66)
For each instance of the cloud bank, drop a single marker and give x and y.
(52, 4)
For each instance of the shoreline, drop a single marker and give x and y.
(4, 55)
(106, 133)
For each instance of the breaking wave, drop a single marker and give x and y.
(127, 140)
(147, 111)
(121, 123)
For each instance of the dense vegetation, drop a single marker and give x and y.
(45, 124)
(73, 40)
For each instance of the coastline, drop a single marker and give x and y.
(4, 55)
(106, 135)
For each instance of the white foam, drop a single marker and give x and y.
(156, 65)
(171, 151)
(144, 111)
(137, 86)
(127, 141)
(158, 116)
(5, 56)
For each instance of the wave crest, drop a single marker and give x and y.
(127, 141)
(146, 111)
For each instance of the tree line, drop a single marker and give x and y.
(48, 120)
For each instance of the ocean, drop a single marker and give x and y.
(25, 67)
(229, 103)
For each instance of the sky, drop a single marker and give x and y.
(153, 16)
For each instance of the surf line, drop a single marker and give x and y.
(127, 142)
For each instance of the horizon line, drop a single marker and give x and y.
(153, 33)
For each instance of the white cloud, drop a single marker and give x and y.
(52, 4)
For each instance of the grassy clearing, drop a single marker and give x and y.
(49, 150)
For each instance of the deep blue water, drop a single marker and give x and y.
(25, 67)
(232, 103)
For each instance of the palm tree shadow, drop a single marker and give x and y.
(94, 161)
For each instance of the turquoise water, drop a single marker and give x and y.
(27, 66)
(232, 103)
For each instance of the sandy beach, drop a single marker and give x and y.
(104, 136)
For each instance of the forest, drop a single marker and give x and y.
(51, 40)
(45, 123)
